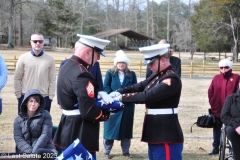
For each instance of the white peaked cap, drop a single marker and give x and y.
(121, 57)
(151, 52)
(225, 62)
(93, 42)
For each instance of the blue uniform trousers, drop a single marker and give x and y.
(165, 151)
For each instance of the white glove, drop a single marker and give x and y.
(114, 94)
(117, 98)
(105, 97)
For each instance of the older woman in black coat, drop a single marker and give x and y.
(230, 116)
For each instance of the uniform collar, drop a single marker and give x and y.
(79, 60)
(166, 70)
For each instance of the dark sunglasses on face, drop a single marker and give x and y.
(39, 41)
(225, 67)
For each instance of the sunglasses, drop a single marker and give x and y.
(226, 67)
(39, 41)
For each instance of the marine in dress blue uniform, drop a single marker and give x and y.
(161, 94)
(76, 85)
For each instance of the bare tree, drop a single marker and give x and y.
(10, 28)
(168, 17)
(152, 19)
(147, 19)
(183, 38)
(234, 27)
(20, 42)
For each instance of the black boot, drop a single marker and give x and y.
(214, 151)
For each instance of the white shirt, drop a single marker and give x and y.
(121, 76)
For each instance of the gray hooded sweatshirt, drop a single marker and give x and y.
(32, 133)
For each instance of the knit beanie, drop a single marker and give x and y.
(121, 57)
(225, 62)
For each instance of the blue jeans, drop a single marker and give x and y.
(48, 103)
(217, 133)
(166, 151)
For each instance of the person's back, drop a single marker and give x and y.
(176, 63)
(94, 70)
(33, 126)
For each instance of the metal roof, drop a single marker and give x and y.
(126, 32)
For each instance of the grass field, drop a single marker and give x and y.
(193, 103)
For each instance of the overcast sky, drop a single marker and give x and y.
(185, 1)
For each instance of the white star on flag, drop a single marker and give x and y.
(102, 102)
(78, 157)
(76, 142)
(60, 157)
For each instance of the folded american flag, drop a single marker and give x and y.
(75, 151)
(114, 107)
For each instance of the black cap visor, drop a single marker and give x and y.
(150, 60)
(100, 51)
(147, 62)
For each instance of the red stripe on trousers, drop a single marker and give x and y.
(167, 149)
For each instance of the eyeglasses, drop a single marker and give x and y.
(39, 41)
(225, 67)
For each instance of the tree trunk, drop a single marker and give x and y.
(107, 25)
(147, 23)
(153, 32)
(235, 53)
(192, 53)
(20, 42)
(10, 27)
(168, 17)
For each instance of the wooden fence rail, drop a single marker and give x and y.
(191, 69)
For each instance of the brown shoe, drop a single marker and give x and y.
(127, 155)
(106, 155)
